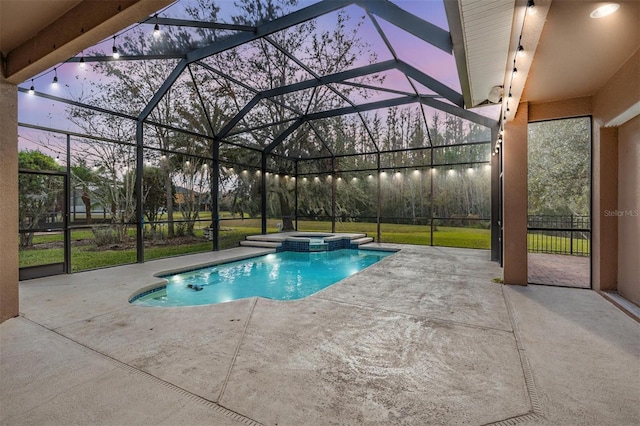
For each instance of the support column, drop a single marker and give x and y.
(604, 230)
(139, 189)
(9, 206)
(495, 203)
(515, 198)
(215, 205)
(263, 201)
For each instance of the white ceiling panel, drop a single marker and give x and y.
(486, 30)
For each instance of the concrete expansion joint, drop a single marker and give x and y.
(123, 366)
(524, 361)
(528, 417)
(240, 341)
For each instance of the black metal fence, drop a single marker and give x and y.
(559, 234)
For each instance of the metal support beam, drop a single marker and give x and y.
(172, 22)
(215, 208)
(139, 189)
(163, 89)
(86, 23)
(296, 194)
(363, 107)
(239, 116)
(279, 24)
(430, 82)
(333, 195)
(303, 85)
(420, 28)
(378, 199)
(67, 197)
(460, 112)
(78, 104)
(263, 201)
(102, 58)
(282, 136)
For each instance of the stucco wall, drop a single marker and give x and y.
(515, 196)
(616, 96)
(9, 203)
(629, 210)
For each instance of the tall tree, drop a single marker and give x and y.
(38, 193)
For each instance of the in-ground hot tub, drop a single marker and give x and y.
(317, 241)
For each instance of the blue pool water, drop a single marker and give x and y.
(281, 276)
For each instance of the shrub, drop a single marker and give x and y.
(106, 235)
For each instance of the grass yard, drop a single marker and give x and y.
(48, 248)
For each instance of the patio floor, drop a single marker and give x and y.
(558, 269)
(422, 337)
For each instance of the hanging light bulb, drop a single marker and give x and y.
(515, 71)
(54, 83)
(520, 50)
(116, 54)
(156, 29)
(531, 7)
(81, 64)
(32, 90)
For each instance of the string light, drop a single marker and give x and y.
(54, 83)
(156, 29)
(531, 7)
(32, 90)
(519, 53)
(82, 62)
(116, 54)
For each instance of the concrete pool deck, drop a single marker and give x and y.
(422, 337)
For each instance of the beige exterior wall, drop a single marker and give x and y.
(604, 227)
(616, 96)
(578, 107)
(515, 198)
(9, 204)
(629, 206)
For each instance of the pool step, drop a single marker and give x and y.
(361, 241)
(261, 244)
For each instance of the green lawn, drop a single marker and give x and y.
(84, 254)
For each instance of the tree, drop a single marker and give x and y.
(265, 67)
(38, 193)
(83, 177)
(128, 86)
(153, 196)
(559, 167)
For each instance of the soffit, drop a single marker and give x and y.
(37, 34)
(15, 29)
(576, 54)
(486, 30)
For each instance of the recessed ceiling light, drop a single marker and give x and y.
(605, 10)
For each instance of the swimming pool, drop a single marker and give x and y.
(281, 276)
